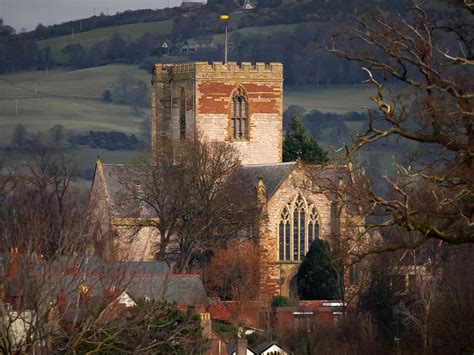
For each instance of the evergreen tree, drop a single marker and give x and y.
(56, 134)
(319, 277)
(19, 136)
(107, 95)
(298, 145)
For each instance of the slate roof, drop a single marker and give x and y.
(181, 289)
(120, 198)
(265, 345)
(122, 204)
(232, 349)
(140, 280)
(272, 175)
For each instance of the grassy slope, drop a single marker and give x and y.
(128, 32)
(70, 98)
(336, 98)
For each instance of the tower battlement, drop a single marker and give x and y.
(240, 104)
(218, 70)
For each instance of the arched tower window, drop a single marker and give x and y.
(239, 115)
(182, 115)
(297, 228)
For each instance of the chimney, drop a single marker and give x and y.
(84, 296)
(206, 325)
(241, 346)
(13, 262)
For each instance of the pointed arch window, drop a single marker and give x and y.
(239, 115)
(297, 228)
(182, 114)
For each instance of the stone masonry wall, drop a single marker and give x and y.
(263, 85)
(168, 83)
(276, 275)
(209, 88)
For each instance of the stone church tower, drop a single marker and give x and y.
(239, 104)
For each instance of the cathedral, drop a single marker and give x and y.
(241, 105)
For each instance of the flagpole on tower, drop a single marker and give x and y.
(225, 18)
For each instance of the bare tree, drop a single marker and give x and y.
(431, 57)
(55, 297)
(193, 200)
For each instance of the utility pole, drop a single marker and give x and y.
(16, 107)
(225, 18)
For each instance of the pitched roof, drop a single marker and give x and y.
(115, 178)
(272, 175)
(265, 345)
(181, 289)
(140, 280)
(232, 349)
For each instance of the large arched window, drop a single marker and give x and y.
(182, 115)
(239, 115)
(297, 228)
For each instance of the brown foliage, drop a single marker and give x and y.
(234, 271)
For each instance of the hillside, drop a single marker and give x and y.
(291, 32)
(87, 39)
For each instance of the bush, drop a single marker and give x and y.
(280, 301)
(107, 95)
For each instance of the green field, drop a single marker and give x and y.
(334, 98)
(87, 39)
(71, 98)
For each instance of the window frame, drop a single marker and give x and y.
(295, 216)
(239, 115)
(182, 114)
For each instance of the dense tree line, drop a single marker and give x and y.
(299, 49)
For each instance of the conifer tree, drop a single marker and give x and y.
(319, 277)
(298, 145)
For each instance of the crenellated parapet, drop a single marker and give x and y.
(262, 71)
(166, 72)
(218, 71)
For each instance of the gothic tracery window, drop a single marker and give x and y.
(239, 115)
(182, 115)
(297, 228)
